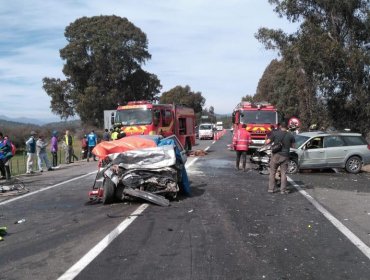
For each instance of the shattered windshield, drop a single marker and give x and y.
(134, 116)
(257, 117)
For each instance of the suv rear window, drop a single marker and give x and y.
(354, 140)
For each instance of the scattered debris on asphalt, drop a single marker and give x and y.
(197, 153)
(3, 232)
(20, 221)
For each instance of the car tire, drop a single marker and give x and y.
(118, 194)
(293, 166)
(353, 165)
(108, 194)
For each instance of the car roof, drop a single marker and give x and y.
(323, 133)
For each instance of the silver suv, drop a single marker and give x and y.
(315, 150)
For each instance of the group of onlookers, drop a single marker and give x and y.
(36, 149)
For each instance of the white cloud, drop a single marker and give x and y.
(206, 44)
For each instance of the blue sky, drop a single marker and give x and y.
(206, 44)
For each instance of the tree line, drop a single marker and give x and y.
(323, 72)
(321, 76)
(103, 68)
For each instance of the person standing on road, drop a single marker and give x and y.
(269, 133)
(241, 140)
(5, 156)
(84, 147)
(115, 133)
(280, 158)
(91, 143)
(31, 152)
(54, 148)
(106, 135)
(41, 153)
(68, 141)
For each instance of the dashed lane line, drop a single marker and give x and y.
(72, 272)
(98, 248)
(342, 228)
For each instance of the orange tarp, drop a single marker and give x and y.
(103, 149)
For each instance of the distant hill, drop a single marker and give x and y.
(5, 123)
(25, 120)
(53, 125)
(62, 124)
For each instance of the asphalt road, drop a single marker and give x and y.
(229, 228)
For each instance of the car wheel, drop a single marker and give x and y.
(108, 194)
(118, 194)
(292, 166)
(354, 164)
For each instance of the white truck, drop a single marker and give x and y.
(206, 131)
(219, 126)
(107, 118)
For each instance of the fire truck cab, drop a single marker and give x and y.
(259, 117)
(144, 117)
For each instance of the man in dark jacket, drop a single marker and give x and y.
(280, 158)
(106, 135)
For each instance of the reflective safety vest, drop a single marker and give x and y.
(68, 140)
(241, 140)
(114, 135)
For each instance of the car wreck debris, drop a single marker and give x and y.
(155, 174)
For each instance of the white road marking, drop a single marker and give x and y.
(188, 164)
(44, 189)
(342, 228)
(98, 248)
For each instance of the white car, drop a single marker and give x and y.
(206, 131)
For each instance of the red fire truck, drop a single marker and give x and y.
(144, 117)
(258, 117)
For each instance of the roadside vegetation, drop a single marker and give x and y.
(323, 74)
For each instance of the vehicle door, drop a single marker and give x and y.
(313, 155)
(335, 150)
